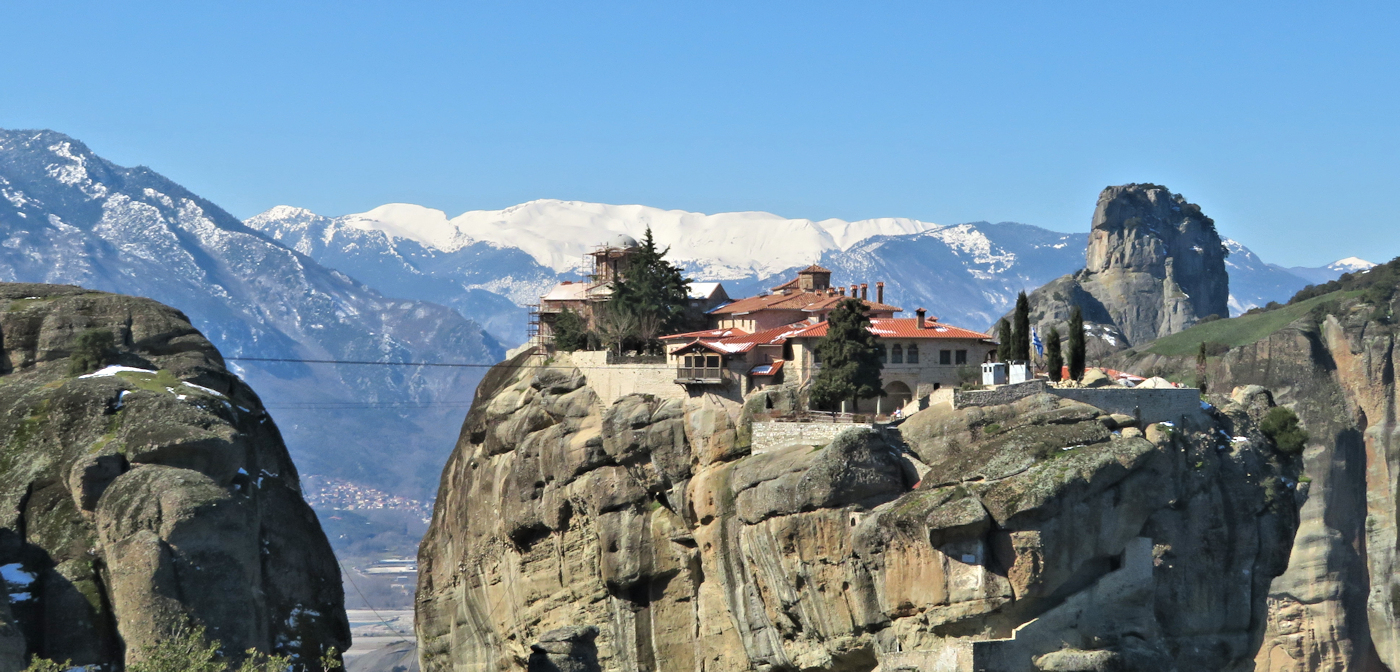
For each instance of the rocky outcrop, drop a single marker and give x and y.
(138, 498)
(1039, 535)
(1155, 266)
(1336, 606)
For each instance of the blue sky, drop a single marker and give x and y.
(1280, 119)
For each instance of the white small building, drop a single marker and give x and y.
(1019, 372)
(994, 373)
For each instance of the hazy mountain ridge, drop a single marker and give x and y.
(69, 216)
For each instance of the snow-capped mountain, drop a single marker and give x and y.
(965, 273)
(69, 216)
(488, 264)
(1332, 271)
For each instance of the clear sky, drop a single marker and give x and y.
(1281, 119)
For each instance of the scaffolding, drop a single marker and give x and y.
(532, 325)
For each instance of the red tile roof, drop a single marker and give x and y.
(901, 327)
(814, 269)
(807, 301)
(708, 334)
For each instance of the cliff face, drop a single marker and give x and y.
(1155, 266)
(1336, 607)
(133, 500)
(1033, 536)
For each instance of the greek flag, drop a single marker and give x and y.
(1035, 341)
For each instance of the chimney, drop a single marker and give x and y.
(879, 292)
(843, 291)
(864, 290)
(921, 312)
(854, 288)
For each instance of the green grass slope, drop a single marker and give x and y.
(1241, 330)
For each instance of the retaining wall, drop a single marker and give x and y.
(614, 378)
(1148, 406)
(1004, 394)
(773, 435)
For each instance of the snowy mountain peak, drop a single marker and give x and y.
(1350, 265)
(426, 226)
(558, 234)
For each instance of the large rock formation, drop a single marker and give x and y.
(1041, 535)
(133, 500)
(1155, 266)
(1338, 605)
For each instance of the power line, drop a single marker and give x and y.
(294, 360)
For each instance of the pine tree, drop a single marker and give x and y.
(849, 356)
(1076, 344)
(653, 292)
(1054, 359)
(1021, 329)
(1004, 344)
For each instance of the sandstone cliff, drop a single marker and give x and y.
(133, 500)
(1042, 535)
(1338, 605)
(1155, 266)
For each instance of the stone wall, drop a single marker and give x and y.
(1148, 406)
(1004, 394)
(614, 377)
(773, 435)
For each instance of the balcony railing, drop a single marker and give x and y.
(700, 375)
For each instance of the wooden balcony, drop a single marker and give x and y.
(700, 375)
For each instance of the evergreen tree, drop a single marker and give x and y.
(849, 356)
(91, 350)
(570, 332)
(1201, 361)
(651, 291)
(1004, 341)
(1076, 344)
(1021, 329)
(1054, 359)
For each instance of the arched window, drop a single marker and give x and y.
(897, 354)
(912, 356)
(880, 350)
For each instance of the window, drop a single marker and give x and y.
(897, 354)
(880, 350)
(712, 361)
(945, 356)
(912, 354)
(689, 361)
(962, 356)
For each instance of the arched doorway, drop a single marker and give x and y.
(897, 394)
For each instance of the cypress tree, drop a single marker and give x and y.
(1021, 348)
(1201, 362)
(1004, 341)
(1054, 359)
(849, 356)
(1076, 344)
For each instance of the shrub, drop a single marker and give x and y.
(91, 350)
(1281, 426)
(1209, 318)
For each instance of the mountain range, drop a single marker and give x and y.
(490, 264)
